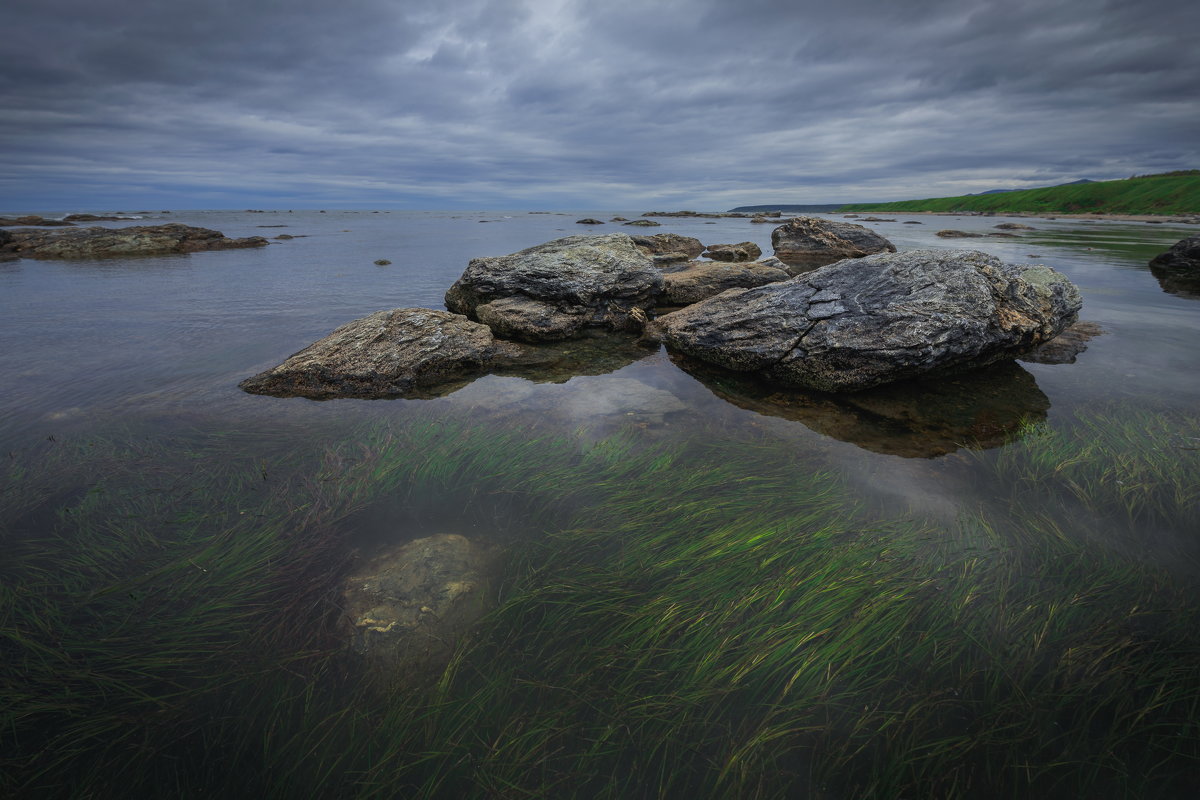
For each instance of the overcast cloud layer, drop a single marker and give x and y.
(516, 104)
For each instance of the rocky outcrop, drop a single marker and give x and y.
(862, 323)
(664, 243)
(409, 607)
(808, 242)
(34, 219)
(643, 223)
(742, 251)
(1013, 226)
(558, 289)
(703, 279)
(97, 242)
(1178, 269)
(589, 221)
(404, 352)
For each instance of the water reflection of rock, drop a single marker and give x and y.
(595, 353)
(1178, 269)
(916, 419)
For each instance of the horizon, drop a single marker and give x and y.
(563, 105)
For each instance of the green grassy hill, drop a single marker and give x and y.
(1169, 193)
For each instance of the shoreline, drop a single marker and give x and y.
(1163, 218)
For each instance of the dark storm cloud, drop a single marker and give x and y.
(569, 103)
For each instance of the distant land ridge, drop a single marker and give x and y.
(1166, 193)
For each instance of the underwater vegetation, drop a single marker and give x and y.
(710, 618)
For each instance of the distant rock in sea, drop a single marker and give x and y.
(97, 242)
(809, 242)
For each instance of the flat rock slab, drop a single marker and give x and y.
(559, 289)
(864, 322)
(409, 606)
(805, 243)
(404, 352)
(98, 242)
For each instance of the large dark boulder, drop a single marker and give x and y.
(404, 352)
(865, 322)
(559, 289)
(98, 242)
(703, 279)
(805, 243)
(1178, 269)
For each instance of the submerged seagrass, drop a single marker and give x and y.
(864, 322)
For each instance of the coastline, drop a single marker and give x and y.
(1152, 218)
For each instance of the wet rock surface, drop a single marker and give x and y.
(666, 243)
(410, 606)
(742, 251)
(805, 243)
(914, 419)
(869, 321)
(559, 289)
(98, 242)
(403, 352)
(699, 280)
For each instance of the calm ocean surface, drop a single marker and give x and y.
(158, 344)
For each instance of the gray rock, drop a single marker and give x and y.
(589, 221)
(953, 234)
(743, 251)
(1014, 226)
(661, 243)
(561, 288)
(409, 607)
(703, 279)
(97, 242)
(808, 242)
(644, 223)
(865, 322)
(404, 352)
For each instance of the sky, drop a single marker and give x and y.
(583, 104)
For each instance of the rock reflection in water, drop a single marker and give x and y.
(915, 419)
(1177, 282)
(594, 353)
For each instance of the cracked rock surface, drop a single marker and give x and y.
(867, 321)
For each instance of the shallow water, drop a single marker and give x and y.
(121, 421)
(159, 344)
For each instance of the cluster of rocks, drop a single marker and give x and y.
(867, 317)
(99, 242)
(714, 215)
(836, 309)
